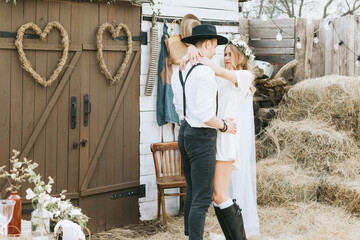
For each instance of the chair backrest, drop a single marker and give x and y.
(167, 159)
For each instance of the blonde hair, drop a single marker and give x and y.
(240, 62)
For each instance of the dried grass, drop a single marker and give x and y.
(342, 192)
(295, 221)
(300, 221)
(333, 99)
(279, 182)
(312, 143)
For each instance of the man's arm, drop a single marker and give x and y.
(217, 123)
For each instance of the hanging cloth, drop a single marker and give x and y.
(165, 109)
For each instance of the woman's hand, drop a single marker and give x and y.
(193, 55)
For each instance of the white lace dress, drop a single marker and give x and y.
(237, 102)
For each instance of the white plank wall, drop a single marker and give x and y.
(150, 132)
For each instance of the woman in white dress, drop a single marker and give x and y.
(235, 173)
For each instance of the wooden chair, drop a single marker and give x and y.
(167, 161)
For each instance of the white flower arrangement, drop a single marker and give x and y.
(59, 208)
(19, 172)
(243, 47)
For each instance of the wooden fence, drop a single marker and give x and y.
(316, 59)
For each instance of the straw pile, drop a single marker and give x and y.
(333, 99)
(342, 192)
(279, 182)
(311, 143)
(315, 141)
(295, 221)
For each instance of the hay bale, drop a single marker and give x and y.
(279, 182)
(311, 143)
(341, 192)
(334, 99)
(348, 169)
(300, 221)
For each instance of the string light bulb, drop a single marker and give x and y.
(298, 44)
(327, 25)
(357, 63)
(279, 36)
(316, 39)
(336, 47)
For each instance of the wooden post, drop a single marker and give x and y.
(300, 31)
(350, 42)
(357, 42)
(316, 56)
(309, 49)
(244, 29)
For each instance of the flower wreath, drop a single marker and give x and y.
(243, 47)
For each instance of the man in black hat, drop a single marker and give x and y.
(195, 100)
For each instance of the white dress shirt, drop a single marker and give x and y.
(200, 91)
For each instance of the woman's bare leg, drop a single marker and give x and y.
(222, 178)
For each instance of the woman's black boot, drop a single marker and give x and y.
(234, 221)
(223, 224)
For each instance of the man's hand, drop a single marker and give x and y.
(231, 125)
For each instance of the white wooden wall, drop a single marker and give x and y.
(150, 132)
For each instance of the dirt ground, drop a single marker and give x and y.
(295, 221)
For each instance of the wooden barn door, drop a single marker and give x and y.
(95, 161)
(109, 161)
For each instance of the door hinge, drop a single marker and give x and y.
(139, 191)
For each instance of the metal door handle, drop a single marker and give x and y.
(87, 109)
(73, 112)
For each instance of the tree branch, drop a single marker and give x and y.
(327, 5)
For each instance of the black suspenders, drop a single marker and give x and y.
(183, 87)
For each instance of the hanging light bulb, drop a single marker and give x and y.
(316, 39)
(279, 35)
(358, 61)
(327, 25)
(298, 44)
(264, 17)
(336, 47)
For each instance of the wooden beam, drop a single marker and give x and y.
(109, 124)
(93, 47)
(72, 48)
(41, 47)
(110, 188)
(49, 108)
(274, 51)
(275, 59)
(272, 43)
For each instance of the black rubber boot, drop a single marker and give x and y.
(234, 221)
(222, 223)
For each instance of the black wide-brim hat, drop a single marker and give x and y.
(204, 31)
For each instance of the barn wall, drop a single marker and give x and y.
(150, 132)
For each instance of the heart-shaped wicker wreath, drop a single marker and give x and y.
(115, 33)
(26, 63)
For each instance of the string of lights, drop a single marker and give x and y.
(325, 25)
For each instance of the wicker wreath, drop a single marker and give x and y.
(115, 33)
(26, 63)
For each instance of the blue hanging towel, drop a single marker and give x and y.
(165, 109)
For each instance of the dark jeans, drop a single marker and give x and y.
(197, 148)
